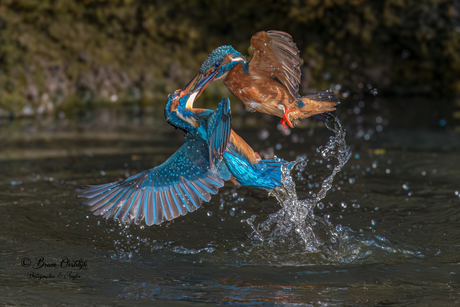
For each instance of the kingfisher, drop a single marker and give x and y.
(212, 153)
(269, 82)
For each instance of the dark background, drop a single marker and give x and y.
(67, 55)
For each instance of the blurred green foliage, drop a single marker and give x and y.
(59, 54)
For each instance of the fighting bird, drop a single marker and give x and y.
(212, 153)
(269, 83)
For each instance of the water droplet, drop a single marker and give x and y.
(263, 134)
(351, 180)
(320, 206)
(343, 204)
(387, 171)
(373, 223)
(209, 213)
(356, 206)
(405, 187)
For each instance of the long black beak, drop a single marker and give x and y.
(204, 82)
(190, 85)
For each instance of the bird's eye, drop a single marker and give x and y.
(217, 64)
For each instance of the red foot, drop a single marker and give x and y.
(258, 158)
(286, 120)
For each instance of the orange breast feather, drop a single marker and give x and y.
(242, 147)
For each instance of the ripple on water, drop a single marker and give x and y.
(297, 232)
(292, 236)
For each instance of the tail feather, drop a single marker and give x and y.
(265, 174)
(312, 104)
(270, 173)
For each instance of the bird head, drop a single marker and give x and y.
(221, 60)
(216, 66)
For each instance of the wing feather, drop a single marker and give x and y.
(165, 192)
(219, 129)
(276, 54)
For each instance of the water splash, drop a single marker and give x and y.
(295, 227)
(292, 236)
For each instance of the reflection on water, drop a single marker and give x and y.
(380, 229)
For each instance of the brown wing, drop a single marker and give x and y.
(276, 55)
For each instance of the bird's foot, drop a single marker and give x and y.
(258, 158)
(286, 121)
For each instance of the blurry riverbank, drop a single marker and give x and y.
(69, 55)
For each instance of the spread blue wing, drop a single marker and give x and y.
(165, 192)
(219, 130)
